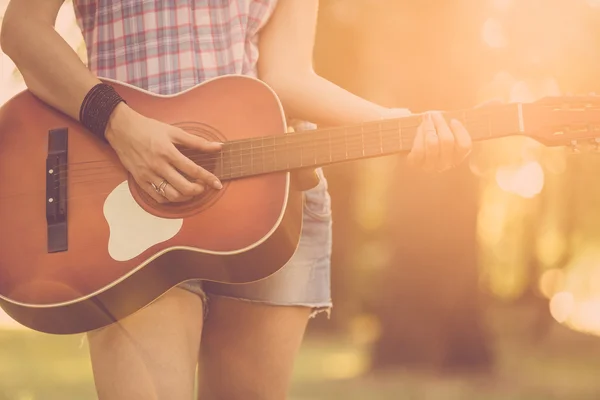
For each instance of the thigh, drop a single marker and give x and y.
(248, 349)
(253, 331)
(151, 354)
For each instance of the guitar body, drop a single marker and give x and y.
(123, 250)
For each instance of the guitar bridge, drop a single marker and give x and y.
(56, 190)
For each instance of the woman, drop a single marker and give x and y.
(251, 333)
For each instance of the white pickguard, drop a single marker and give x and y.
(132, 229)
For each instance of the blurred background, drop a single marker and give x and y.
(479, 283)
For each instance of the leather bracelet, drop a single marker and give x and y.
(97, 107)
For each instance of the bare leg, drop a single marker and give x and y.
(248, 349)
(152, 354)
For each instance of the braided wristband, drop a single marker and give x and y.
(96, 108)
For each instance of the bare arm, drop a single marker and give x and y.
(54, 73)
(51, 69)
(286, 64)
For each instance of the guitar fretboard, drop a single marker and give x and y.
(334, 145)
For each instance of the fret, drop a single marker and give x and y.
(295, 143)
(247, 157)
(362, 139)
(307, 150)
(269, 153)
(400, 146)
(345, 145)
(322, 151)
(252, 148)
(275, 152)
(332, 144)
(329, 150)
(389, 137)
(235, 165)
(241, 154)
(314, 146)
(262, 143)
(373, 139)
(341, 147)
(367, 140)
(301, 147)
(353, 143)
(282, 152)
(380, 137)
(290, 143)
(304, 150)
(221, 158)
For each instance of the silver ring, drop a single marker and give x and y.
(162, 186)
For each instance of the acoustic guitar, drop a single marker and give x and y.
(83, 246)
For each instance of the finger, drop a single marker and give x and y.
(446, 142)
(180, 183)
(179, 136)
(173, 195)
(417, 154)
(432, 146)
(165, 192)
(462, 141)
(192, 170)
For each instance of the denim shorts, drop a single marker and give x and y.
(306, 279)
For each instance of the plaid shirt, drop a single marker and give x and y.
(168, 46)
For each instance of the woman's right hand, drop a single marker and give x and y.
(146, 148)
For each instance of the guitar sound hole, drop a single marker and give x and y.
(208, 161)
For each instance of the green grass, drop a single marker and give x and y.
(564, 366)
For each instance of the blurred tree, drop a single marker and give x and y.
(430, 307)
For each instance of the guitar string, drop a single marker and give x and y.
(355, 145)
(320, 134)
(237, 171)
(300, 142)
(231, 171)
(337, 130)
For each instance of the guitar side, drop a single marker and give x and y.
(110, 268)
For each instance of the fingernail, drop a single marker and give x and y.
(217, 185)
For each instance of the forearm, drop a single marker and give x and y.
(315, 99)
(51, 69)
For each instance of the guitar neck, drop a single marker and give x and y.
(368, 140)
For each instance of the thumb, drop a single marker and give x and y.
(179, 136)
